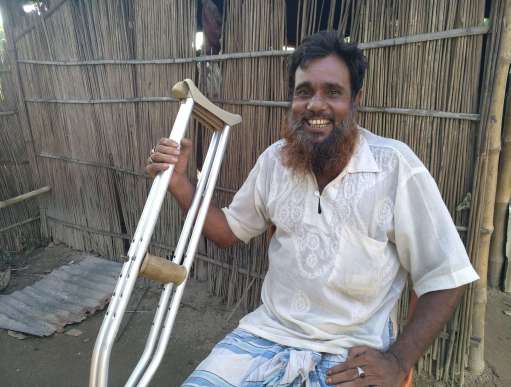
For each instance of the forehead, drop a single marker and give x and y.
(330, 69)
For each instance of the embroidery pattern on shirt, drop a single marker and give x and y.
(384, 212)
(386, 158)
(318, 250)
(314, 252)
(300, 302)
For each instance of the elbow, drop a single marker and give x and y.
(226, 242)
(221, 244)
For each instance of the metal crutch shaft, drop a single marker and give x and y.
(119, 301)
(190, 255)
(178, 255)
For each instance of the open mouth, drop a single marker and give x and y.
(318, 123)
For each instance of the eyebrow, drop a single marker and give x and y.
(303, 84)
(331, 85)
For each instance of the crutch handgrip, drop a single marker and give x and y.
(205, 111)
(162, 270)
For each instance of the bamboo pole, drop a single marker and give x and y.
(19, 224)
(123, 170)
(454, 33)
(476, 359)
(100, 101)
(502, 199)
(266, 103)
(162, 246)
(23, 197)
(507, 274)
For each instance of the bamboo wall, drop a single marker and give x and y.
(441, 75)
(19, 224)
(90, 148)
(100, 101)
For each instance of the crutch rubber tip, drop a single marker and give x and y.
(180, 90)
(162, 270)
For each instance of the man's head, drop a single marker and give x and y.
(325, 80)
(321, 45)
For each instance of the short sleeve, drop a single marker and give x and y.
(247, 214)
(428, 244)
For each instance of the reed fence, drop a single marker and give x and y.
(94, 90)
(20, 223)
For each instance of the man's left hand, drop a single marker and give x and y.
(379, 369)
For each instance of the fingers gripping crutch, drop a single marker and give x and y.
(159, 269)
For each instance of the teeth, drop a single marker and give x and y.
(318, 122)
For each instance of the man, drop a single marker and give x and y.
(354, 214)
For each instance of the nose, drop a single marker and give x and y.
(316, 103)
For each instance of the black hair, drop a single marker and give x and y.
(323, 44)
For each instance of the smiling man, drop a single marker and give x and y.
(354, 214)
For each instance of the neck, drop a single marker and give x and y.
(325, 177)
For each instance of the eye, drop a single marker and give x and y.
(334, 92)
(302, 92)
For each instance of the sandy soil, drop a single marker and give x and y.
(63, 361)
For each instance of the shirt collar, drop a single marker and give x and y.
(362, 159)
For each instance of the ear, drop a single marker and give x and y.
(358, 98)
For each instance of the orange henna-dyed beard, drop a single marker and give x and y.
(303, 156)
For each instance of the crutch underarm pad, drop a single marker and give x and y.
(162, 270)
(204, 110)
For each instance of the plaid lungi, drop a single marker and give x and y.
(244, 360)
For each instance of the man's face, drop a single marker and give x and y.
(322, 97)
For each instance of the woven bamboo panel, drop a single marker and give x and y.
(92, 142)
(16, 175)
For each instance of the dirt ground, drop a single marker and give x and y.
(63, 360)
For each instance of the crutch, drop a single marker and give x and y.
(193, 102)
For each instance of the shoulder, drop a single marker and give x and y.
(392, 154)
(272, 154)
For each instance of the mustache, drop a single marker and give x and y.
(297, 130)
(297, 122)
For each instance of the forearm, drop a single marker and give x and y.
(215, 227)
(432, 312)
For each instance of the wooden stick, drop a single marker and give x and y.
(22, 198)
(113, 168)
(422, 113)
(283, 104)
(492, 151)
(202, 257)
(92, 164)
(19, 224)
(507, 274)
(502, 200)
(101, 101)
(455, 33)
(14, 162)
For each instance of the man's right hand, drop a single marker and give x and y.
(169, 152)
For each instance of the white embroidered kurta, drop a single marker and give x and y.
(335, 274)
